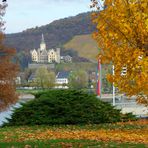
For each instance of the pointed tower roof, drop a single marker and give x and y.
(42, 40)
(42, 44)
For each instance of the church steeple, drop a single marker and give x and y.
(43, 44)
(42, 40)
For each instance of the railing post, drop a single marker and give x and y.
(113, 87)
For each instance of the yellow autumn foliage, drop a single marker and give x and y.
(119, 134)
(122, 36)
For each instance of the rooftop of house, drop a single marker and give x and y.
(32, 77)
(62, 74)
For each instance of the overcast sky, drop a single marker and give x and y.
(23, 14)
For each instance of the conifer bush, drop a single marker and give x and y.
(64, 107)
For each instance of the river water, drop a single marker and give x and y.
(9, 111)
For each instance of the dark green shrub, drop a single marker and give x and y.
(128, 117)
(64, 107)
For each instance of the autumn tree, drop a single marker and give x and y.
(122, 35)
(8, 70)
(44, 78)
(78, 79)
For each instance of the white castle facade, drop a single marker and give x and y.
(43, 55)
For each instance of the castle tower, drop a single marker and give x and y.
(42, 44)
(58, 55)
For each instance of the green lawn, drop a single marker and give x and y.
(120, 135)
(69, 144)
(28, 91)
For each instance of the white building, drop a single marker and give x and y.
(66, 59)
(43, 55)
(62, 79)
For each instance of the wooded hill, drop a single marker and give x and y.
(56, 33)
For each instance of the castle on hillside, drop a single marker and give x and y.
(43, 55)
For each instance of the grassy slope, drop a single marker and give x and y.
(84, 45)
